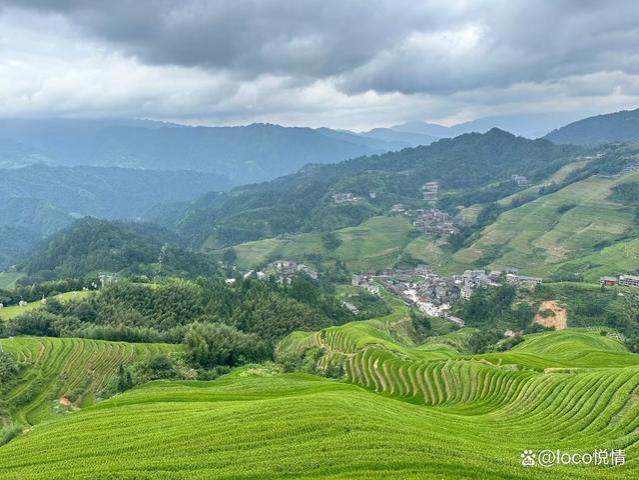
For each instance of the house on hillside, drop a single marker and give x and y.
(608, 281)
(629, 280)
(523, 280)
(344, 198)
(520, 180)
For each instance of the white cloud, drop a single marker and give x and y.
(342, 64)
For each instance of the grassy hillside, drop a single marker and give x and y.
(8, 279)
(566, 225)
(577, 229)
(303, 202)
(13, 311)
(478, 423)
(375, 244)
(59, 374)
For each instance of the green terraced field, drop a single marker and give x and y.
(476, 422)
(373, 245)
(402, 410)
(58, 369)
(9, 312)
(619, 258)
(538, 237)
(8, 279)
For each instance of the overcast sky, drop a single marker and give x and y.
(343, 64)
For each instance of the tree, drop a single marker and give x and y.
(156, 367)
(124, 381)
(330, 240)
(211, 344)
(9, 367)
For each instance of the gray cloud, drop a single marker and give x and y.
(241, 60)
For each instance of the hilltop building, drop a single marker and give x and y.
(624, 280)
(345, 198)
(286, 270)
(520, 180)
(629, 280)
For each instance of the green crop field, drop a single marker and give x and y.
(9, 312)
(540, 236)
(564, 231)
(445, 419)
(622, 257)
(59, 374)
(375, 244)
(8, 279)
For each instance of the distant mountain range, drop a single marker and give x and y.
(612, 127)
(128, 169)
(39, 200)
(525, 125)
(244, 154)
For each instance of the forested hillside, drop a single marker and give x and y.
(91, 246)
(612, 127)
(303, 202)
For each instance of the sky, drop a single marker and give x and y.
(353, 64)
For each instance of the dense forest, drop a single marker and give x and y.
(91, 246)
(163, 312)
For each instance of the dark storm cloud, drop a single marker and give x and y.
(405, 46)
(350, 64)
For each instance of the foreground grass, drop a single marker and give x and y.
(300, 426)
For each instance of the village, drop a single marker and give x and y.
(284, 271)
(434, 294)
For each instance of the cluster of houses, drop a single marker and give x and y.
(430, 221)
(434, 294)
(284, 272)
(435, 221)
(623, 280)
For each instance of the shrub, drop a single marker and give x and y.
(211, 344)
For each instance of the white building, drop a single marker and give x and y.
(629, 280)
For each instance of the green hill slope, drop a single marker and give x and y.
(303, 202)
(62, 373)
(375, 244)
(300, 426)
(560, 227)
(612, 127)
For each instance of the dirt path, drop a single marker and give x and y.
(558, 321)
